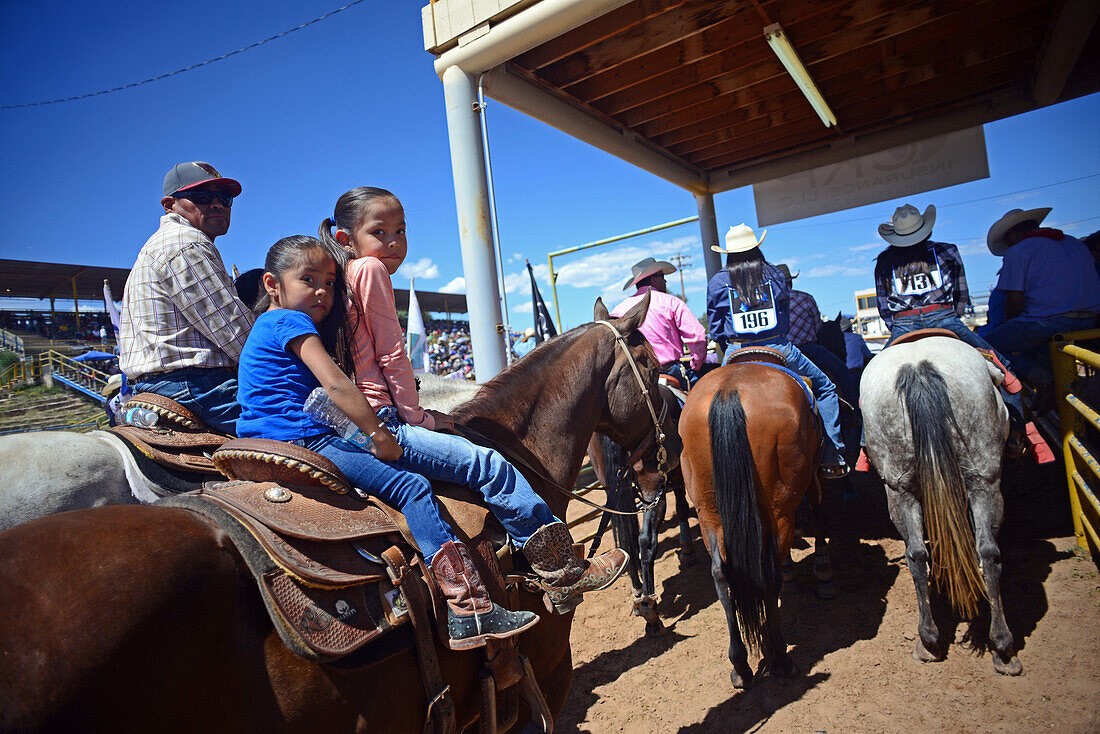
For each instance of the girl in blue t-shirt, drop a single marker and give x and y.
(299, 342)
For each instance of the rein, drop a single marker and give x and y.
(658, 437)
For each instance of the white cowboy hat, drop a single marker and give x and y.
(908, 226)
(996, 237)
(740, 239)
(647, 267)
(114, 384)
(528, 333)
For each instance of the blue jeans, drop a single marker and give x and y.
(1019, 337)
(947, 319)
(824, 391)
(449, 458)
(210, 394)
(834, 365)
(408, 492)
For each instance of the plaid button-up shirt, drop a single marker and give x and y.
(180, 308)
(805, 318)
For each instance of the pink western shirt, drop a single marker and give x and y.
(669, 326)
(383, 372)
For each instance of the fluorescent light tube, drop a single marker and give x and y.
(775, 37)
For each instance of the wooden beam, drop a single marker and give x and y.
(593, 32)
(684, 125)
(683, 87)
(682, 20)
(1065, 39)
(918, 101)
(891, 73)
(988, 109)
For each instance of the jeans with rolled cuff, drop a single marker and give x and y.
(211, 394)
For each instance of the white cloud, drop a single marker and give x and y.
(827, 271)
(525, 307)
(458, 285)
(879, 245)
(422, 268)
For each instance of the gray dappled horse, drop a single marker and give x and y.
(935, 430)
(46, 472)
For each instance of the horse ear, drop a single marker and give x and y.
(601, 312)
(633, 318)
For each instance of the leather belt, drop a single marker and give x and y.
(921, 310)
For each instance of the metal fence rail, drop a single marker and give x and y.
(1072, 365)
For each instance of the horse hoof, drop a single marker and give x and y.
(827, 590)
(740, 683)
(781, 669)
(654, 628)
(923, 655)
(687, 558)
(1010, 667)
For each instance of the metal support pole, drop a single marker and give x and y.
(475, 237)
(708, 231)
(76, 305)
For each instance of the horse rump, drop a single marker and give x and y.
(942, 486)
(750, 567)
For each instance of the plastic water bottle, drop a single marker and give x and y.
(136, 415)
(320, 407)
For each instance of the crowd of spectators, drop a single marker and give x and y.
(58, 325)
(449, 348)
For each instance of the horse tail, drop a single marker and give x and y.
(625, 527)
(942, 487)
(750, 558)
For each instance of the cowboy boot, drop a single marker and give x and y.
(472, 617)
(564, 577)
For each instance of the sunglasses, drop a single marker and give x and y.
(206, 198)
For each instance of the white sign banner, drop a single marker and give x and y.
(926, 165)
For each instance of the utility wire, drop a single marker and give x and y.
(186, 68)
(945, 206)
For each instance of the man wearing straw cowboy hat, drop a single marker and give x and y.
(1050, 284)
(748, 302)
(669, 324)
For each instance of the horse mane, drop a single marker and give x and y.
(506, 382)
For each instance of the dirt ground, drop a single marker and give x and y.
(857, 673)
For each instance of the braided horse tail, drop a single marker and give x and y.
(954, 559)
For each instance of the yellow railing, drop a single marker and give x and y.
(84, 375)
(11, 373)
(1072, 366)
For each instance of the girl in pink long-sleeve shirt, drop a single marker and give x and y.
(369, 225)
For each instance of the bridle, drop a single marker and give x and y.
(656, 438)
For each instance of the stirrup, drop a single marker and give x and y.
(835, 471)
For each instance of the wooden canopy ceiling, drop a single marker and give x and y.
(695, 81)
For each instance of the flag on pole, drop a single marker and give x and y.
(112, 307)
(416, 340)
(544, 325)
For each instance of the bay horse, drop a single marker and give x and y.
(935, 431)
(752, 442)
(45, 472)
(146, 618)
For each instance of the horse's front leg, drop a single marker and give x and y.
(905, 511)
(741, 675)
(645, 605)
(683, 513)
(987, 507)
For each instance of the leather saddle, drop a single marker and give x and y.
(179, 442)
(913, 336)
(766, 355)
(337, 572)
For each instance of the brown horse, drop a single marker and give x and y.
(751, 446)
(145, 618)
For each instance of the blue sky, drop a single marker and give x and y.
(354, 100)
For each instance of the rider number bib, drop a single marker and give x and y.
(755, 321)
(914, 284)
